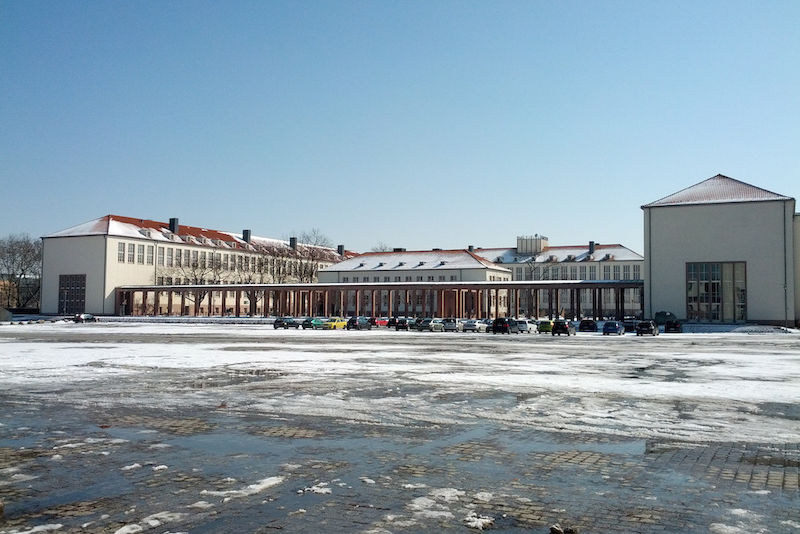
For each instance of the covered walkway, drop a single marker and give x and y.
(441, 299)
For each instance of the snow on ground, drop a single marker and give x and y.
(697, 387)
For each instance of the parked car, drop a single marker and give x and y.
(315, 323)
(646, 327)
(382, 321)
(403, 323)
(505, 325)
(470, 325)
(334, 323)
(545, 326)
(587, 325)
(286, 323)
(391, 322)
(416, 324)
(630, 324)
(560, 326)
(673, 327)
(435, 325)
(84, 318)
(613, 327)
(358, 323)
(452, 325)
(526, 326)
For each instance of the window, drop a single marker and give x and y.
(408, 278)
(140, 254)
(385, 278)
(564, 275)
(637, 272)
(453, 278)
(419, 279)
(573, 273)
(430, 278)
(626, 272)
(396, 278)
(131, 252)
(716, 292)
(225, 262)
(186, 258)
(150, 255)
(355, 279)
(195, 258)
(121, 252)
(246, 262)
(345, 279)
(519, 273)
(203, 260)
(160, 281)
(239, 263)
(593, 272)
(582, 272)
(606, 272)
(376, 279)
(178, 257)
(170, 252)
(616, 272)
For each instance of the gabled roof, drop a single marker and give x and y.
(717, 190)
(129, 227)
(572, 253)
(414, 260)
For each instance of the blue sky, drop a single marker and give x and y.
(413, 124)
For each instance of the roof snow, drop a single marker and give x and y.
(718, 189)
(577, 253)
(410, 261)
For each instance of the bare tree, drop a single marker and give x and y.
(20, 270)
(316, 248)
(381, 247)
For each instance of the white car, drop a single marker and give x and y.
(527, 326)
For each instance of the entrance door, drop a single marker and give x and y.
(71, 293)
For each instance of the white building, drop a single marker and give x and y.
(401, 266)
(82, 265)
(723, 251)
(535, 259)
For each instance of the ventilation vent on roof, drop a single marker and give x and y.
(362, 264)
(420, 263)
(608, 257)
(570, 257)
(553, 258)
(145, 232)
(401, 263)
(499, 259)
(381, 264)
(443, 262)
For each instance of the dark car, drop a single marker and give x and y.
(403, 323)
(505, 325)
(392, 322)
(286, 323)
(646, 327)
(416, 324)
(613, 327)
(673, 327)
(560, 326)
(84, 318)
(587, 325)
(358, 323)
(629, 324)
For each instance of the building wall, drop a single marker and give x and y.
(127, 272)
(429, 275)
(796, 220)
(73, 255)
(758, 233)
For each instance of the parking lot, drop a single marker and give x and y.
(135, 427)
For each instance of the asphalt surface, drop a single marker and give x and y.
(282, 446)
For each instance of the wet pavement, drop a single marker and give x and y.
(215, 449)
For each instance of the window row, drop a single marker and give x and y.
(582, 272)
(133, 253)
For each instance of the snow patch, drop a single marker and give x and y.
(252, 489)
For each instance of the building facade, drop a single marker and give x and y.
(534, 259)
(433, 266)
(82, 265)
(723, 251)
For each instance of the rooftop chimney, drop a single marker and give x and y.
(246, 236)
(591, 247)
(471, 248)
(293, 243)
(340, 250)
(398, 250)
(173, 225)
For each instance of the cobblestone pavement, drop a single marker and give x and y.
(95, 467)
